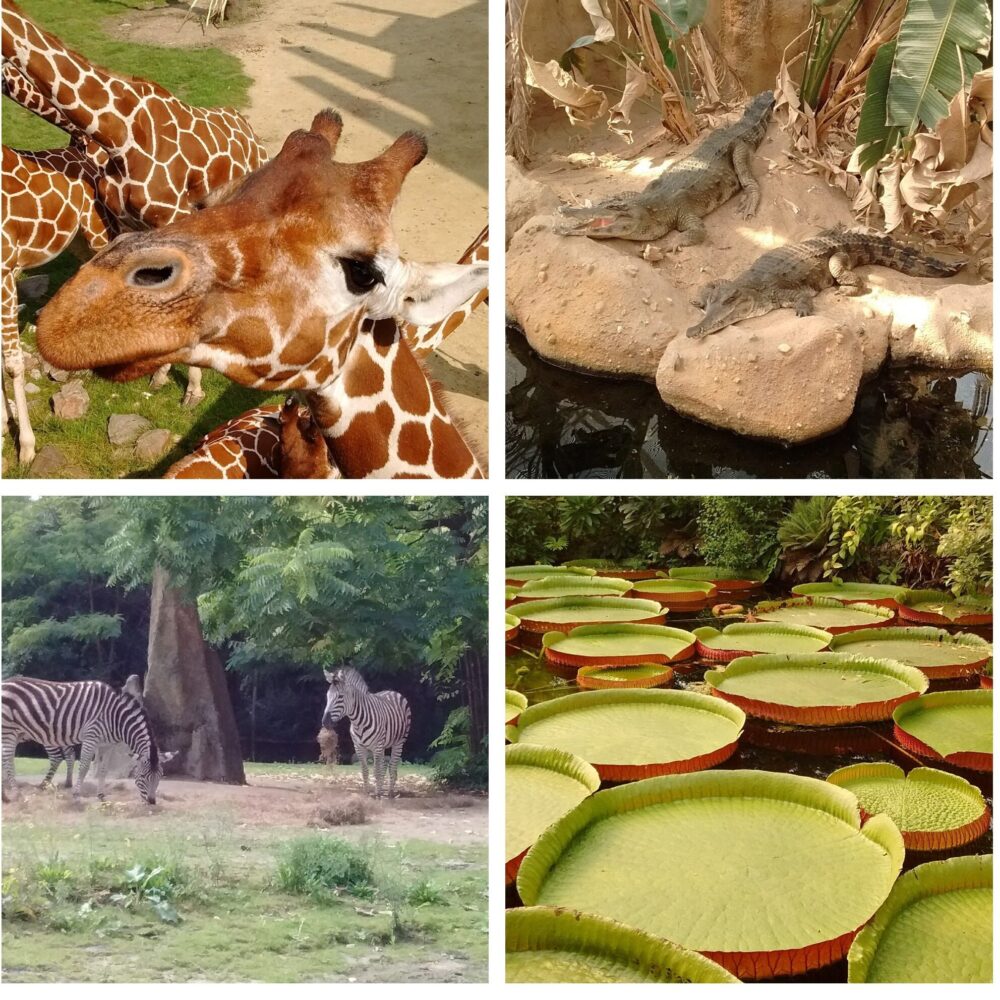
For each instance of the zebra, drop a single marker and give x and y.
(379, 721)
(64, 713)
(56, 755)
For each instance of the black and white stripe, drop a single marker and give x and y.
(380, 721)
(65, 713)
(105, 752)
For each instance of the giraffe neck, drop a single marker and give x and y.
(87, 97)
(383, 418)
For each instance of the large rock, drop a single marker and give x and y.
(124, 428)
(153, 444)
(72, 401)
(525, 198)
(48, 462)
(583, 304)
(779, 377)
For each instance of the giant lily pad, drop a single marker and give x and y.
(956, 726)
(512, 625)
(933, 650)
(564, 613)
(726, 580)
(634, 734)
(933, 607)
(624, 569)
(543, 784)
(517, 576)
(669, 592)
(817, 689)
(547, 944)
(510, 593)
(935, 927)
(832, 616)
(620, 645)
(552, 587)
(643, 675)
(776, 874)
(852, 593)
(514, 704)
(747, 638)
(934, 810)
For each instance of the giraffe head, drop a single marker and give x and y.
(268, 283)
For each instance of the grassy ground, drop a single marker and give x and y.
(185, 894)
(206, 77)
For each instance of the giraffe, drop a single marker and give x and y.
(288, 282)
(160, 158)
(249, 446)
(47, 197)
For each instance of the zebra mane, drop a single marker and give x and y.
(139, 710)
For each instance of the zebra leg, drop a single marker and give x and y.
(101, 758)
(70, 754)
(362, 754)
(9, 788)
(397, 753)
(55, 755)
(87, 751)
(378, 755)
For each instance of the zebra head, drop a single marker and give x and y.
(334, 710)
(147, 773)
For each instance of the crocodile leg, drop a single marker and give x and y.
(801, 302)
(691, 230)
(750, 201)
(848, 279)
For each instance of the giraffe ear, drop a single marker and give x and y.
(433, 291)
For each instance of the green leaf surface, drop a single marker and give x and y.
(632, 727)
(926, 799)
(764, 637)
(712, 574)
(550, 945)
(596, 641)
(873, 130)
(950, 721)
(935, 927)
(850, 591)
(638, 672)
(574, 586)
(542, 784)
(537, 571)
(821, 612)
(916, 647)
(588, 609)
(939, 48)
(770, 861)
(675, 586)
(514, 704)
(816, 679)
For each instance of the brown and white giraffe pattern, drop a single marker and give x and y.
(47, 198)
(165, 156)
(248, 447)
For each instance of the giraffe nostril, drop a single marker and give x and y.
(152, 277)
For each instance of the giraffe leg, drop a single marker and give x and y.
(378, 756)
(194, 394)
(13, 361)
(160, 376)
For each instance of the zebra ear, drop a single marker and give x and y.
(329, 677)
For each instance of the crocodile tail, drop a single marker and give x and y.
(884, 250)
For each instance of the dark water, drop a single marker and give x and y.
(765, 746)
(906, 425)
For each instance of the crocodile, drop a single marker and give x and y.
(790, 277)
(685, 192)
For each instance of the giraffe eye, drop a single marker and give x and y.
(361, 275)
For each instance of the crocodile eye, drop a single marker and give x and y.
(361, 275)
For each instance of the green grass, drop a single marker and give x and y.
(198, 896)
(206, 77)
(315, 770)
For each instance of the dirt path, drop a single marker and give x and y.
(420, 813)
(387, 68)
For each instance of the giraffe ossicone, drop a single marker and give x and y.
(292, 280)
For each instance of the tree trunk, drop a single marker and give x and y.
(475, 667)
(185, 691)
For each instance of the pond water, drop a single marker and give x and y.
(906, 425)
(766, 746)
